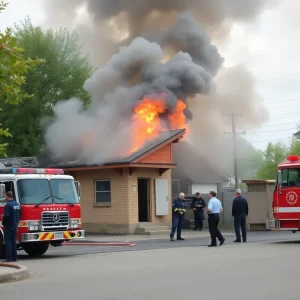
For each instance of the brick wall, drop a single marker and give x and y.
(121, 216)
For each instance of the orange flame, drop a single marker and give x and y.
(147, 123)
(177, 118)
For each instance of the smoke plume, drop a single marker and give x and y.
(116, 91)
(149, 32)
(111, 23)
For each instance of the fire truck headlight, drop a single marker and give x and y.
(33, 225)
(75, 223)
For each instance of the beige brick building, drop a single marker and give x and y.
(116, 197)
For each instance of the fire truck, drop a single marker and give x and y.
(286, 197)
(50, 209)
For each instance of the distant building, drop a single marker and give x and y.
(297, 135)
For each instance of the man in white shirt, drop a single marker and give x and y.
(214, 209)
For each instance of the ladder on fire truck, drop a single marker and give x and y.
(18, 162)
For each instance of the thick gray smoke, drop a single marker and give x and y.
(117, 22)
(116, 91)
(134, 72)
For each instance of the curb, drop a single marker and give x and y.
(20, 272)
(92, 243)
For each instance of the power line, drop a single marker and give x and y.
(282, 101)
(295, 114)
(269, 140)
(271, 131)
(271, 125)
(283, 106)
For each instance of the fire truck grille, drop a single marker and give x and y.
(55, 220)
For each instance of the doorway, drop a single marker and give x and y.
(143, 200)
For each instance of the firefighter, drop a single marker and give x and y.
(10, 222)
(240, 213)
(198, 204)
(177, 217)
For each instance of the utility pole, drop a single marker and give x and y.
(234, 136)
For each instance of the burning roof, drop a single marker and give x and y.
(162, 137)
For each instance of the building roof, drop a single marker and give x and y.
(161, 140)
(258, 181)
(297, 134)
(193, 165)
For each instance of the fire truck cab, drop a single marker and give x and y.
(50, 208)
(286, 197)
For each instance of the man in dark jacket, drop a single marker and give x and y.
(198, 204)
(178, 209)
(10, 222)
(240, 213)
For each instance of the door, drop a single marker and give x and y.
(161, 197)
(143, 200)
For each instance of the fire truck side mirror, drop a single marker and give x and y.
(279, 177)
(279, 181)
(77, 185)
(2, 191)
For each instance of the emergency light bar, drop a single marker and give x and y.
(293, 158)
(38, 171)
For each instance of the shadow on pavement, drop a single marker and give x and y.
(286, 242)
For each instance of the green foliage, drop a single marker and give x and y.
(60, 77)
(13, 70)
(274, 154)
(294, 148)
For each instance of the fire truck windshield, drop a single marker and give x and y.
(290, 177)
(64, 191)
(37, 191)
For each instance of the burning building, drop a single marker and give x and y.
(120, 147)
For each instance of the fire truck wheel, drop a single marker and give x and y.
(36, 249)
(2, 247)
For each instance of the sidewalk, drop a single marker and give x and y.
(12, 272)
(94, 237)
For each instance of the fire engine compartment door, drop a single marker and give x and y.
(161, 197)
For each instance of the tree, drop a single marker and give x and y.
(13, 70)
(274, 154)
(294, 147)
(60, 77)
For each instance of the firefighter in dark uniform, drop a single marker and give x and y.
(178, 209)
(198, 205)
(10, 222)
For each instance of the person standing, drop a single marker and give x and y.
(198, 205)
(177, 217)
(213, 210)
(240, 213)
(10, 222)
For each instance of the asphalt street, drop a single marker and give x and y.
(159, 269)
(161, 243)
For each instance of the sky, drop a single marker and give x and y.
(269, 47)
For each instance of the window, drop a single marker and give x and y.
(290, 177)
(34, 191)
(64, 191)
(102, 191)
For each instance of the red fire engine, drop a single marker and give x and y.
(50, 209)
(286, 197)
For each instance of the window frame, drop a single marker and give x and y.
(107, 203)
(288, 177)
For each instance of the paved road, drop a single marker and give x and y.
(160, 244)
(169, 271)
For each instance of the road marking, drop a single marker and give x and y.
(99, 244)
